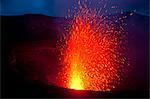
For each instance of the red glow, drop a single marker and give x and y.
(90, 58)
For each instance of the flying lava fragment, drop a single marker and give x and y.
(93, 53)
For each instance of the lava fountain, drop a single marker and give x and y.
(93, 55)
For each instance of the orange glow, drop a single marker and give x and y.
(91, 57)
(76, 82)
(85, 58)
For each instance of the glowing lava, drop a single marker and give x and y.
(76, 82)
(92, 57)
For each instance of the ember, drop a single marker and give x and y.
(93, 54)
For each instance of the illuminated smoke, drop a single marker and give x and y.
(93, 53)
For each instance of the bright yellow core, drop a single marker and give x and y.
(76, 82)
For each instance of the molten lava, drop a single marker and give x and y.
(92, 57)
(76, 82)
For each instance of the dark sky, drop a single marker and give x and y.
(59, 7)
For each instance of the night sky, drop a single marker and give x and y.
(59, 7)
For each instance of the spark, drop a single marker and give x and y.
(93, 53)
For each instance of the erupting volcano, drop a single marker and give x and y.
(93, 55)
